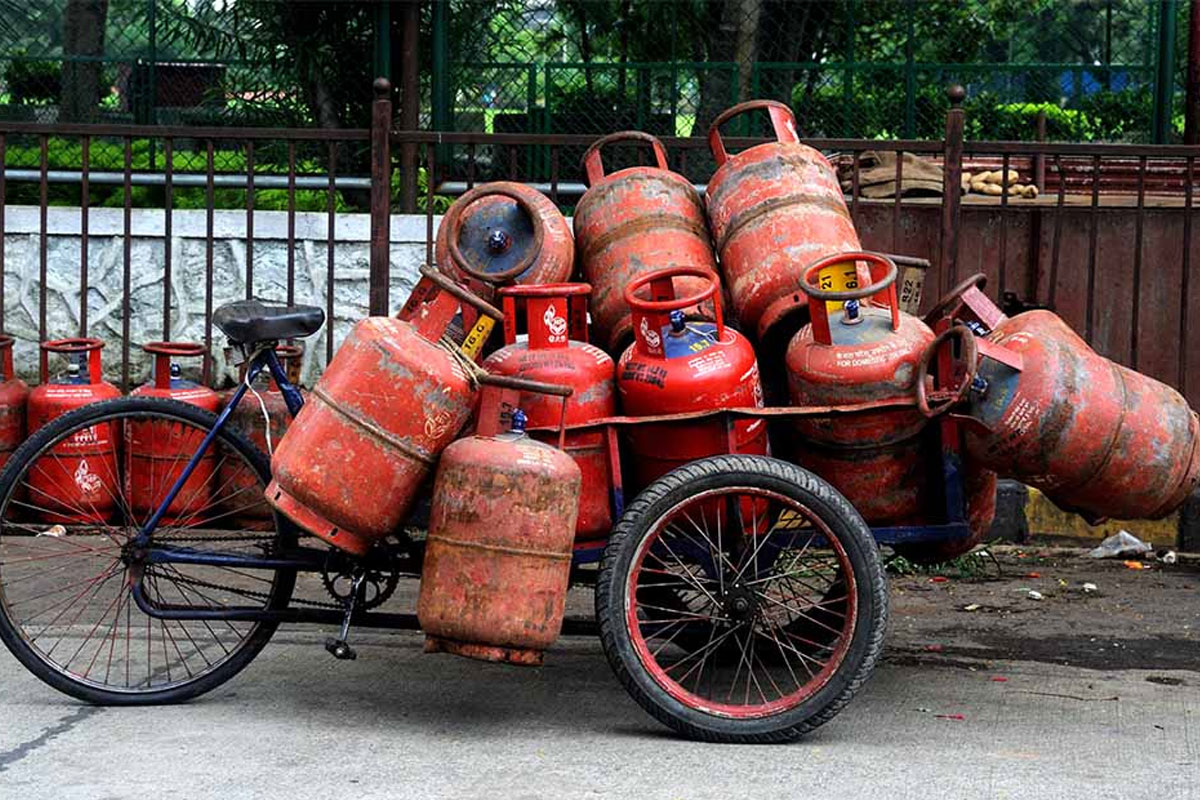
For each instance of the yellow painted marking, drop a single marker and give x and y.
(837, 278)
(477, 336)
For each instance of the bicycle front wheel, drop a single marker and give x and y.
(72, 500)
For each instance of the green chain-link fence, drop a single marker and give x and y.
(850, 68)
(1100, 70)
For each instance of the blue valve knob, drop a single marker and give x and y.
(498, 241)
(678, 324)
(518, 421)
(176, 371)
(851, 312)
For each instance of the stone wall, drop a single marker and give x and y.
(188, 256)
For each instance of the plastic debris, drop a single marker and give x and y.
(1034, 594)
(999, 679)
(1134, 565)
(972, 607)
(939, 579)
(955, 717)
(1090, 588)
(1122, 543)
(1033, 575)
(1169, 557)
(57, 531)
(934, 648)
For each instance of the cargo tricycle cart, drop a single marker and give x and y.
(738, 596)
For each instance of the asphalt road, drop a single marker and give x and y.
(397, 723)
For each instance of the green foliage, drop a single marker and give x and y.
(32, 82)
(146, 155)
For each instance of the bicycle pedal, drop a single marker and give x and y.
(340, 649)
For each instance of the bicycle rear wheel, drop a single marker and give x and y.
(68, 567)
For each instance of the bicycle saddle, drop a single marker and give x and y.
(251, 321)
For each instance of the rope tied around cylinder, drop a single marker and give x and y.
(471, 371)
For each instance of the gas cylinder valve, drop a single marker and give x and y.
(678, 323)
(519, 421)
(498, 241)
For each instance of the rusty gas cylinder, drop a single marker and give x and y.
(773, 208)
(156, 453)
(676, 366)
(502, 233)
(239, 485)
(392, 398)
(864, 350)
(557, 352)
(14, 394)
(498, 555)
(633, 221)
(80, 484)
(1095, 437)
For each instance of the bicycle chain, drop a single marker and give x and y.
(264, 596)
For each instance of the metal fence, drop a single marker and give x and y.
(1109, 243)
(1100, 70)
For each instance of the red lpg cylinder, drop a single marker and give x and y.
(631, 222)
(387, 405)
(558, 353)
(498, 555)
(13, 396)
(501, 233)
(249, 511)
(674, 366)
(80, 485)
(156, 453)
(1095, 437)
(772, 208)
(866, 350)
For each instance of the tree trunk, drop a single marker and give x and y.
(83, 35)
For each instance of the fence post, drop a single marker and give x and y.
(381, 189)
(410, 101)
(1164, 82)
(952, 155)
(1191, 109)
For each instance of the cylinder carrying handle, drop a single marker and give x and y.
(163, 352)
(651, 313)
(879, 286)
(538, 299)
(593, 164)
(970, 357)
(783, 121)
(453, 289)
(454, 222)
(76, 345)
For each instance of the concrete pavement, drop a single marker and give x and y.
(397, 723)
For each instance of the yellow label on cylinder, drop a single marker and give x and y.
(476, 337)
(838, 278)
